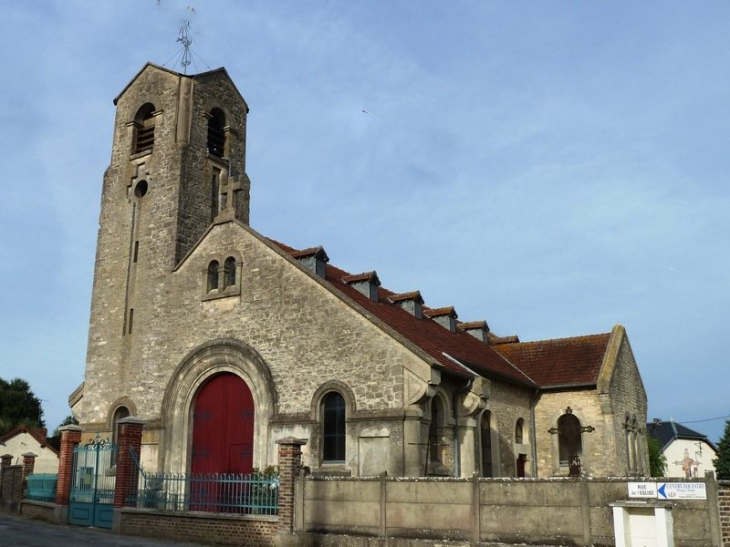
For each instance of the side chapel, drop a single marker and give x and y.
(224, 341)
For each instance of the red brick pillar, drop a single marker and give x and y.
(290, 461)
(129, 440)
(70, 437)
(28, 465)
(6, 460)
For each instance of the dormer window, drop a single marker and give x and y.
(216, 133)
(365, 283)
(144, 124)
(446, 317)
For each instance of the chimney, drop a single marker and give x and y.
(412, 302)
(365, 283)
(478, 329)
(314, 259)
(446, 317)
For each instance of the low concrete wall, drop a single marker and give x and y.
(41, 510)
(203, 527)
(485, 511)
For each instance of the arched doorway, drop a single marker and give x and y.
(223, 424)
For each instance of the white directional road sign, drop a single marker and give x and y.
(681, 491)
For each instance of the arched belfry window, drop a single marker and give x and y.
(229, 269)
(334, 432)
(144, 124)
(213, 275)
(216, 133)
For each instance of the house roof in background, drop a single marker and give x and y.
(39, 434)
(666, 432)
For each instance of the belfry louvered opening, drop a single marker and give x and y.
(144, 123)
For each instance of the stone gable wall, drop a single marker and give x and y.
(627, 398)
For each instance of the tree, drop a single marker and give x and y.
(55, 439)
(722, 463)
(18, 406)
(657, 460)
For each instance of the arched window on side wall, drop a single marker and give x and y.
(434, 450)
(216, 133)
(229, 269)
(520, 431)
(334, 431)
(213, 275)
(570, 445)
(144, 124)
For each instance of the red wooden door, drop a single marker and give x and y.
(223, 418)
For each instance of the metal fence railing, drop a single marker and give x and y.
(41, 487)
(255, 493)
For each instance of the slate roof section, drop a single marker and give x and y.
(561, 362)
(666, 432)
(426, 333)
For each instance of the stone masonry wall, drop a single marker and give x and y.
(598, 446)
(628, 399)
(509, 403)
(305, 335)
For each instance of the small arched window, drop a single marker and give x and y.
(520, 431)
(334, 432)
(213, 275)
(119, 413)
(229, 269)
(144, 123)
(486, 444)
(216, 133)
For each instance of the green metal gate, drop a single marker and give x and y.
(92, 486)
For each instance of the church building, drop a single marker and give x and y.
(224, 341)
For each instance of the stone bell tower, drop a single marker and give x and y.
(177, 167)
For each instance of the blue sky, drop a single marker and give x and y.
(553, 167)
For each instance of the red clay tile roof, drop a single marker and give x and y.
(426, 333)
(560, 362)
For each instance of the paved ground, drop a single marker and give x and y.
(18, 532)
